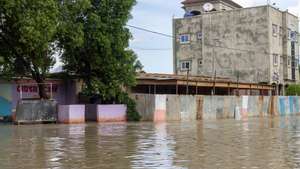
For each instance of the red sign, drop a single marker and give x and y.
(34, 88)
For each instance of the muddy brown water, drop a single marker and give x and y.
(256, 143)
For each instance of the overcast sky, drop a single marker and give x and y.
(155, 52)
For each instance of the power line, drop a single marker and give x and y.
(170, 36)
(150, 31)
(152, 49)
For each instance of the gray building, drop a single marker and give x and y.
(251, 45)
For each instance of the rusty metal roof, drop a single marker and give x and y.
(158, 76)
(204, 81)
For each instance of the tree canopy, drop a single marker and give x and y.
(293, 90)
(91, 35)
(28, 30)
(95, 41)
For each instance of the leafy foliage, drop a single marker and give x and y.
(293, 90)
(91, 34)
(95, 42)
(27, 36)
(132, 114)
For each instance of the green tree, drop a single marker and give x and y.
(293, 90)
(28, 31)
(95, 41)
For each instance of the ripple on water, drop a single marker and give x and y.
(256, 143)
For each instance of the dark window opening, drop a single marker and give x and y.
(196, 13)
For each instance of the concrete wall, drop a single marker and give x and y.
(238, 42)
(189, 108)
(10, 93)
(222, 33)
(106, 113)
(281, 44)
(71, 114)
(217, 5)
(31, 111)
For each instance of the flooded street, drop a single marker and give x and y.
(256, 143)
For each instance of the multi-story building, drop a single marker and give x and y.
(253, 45)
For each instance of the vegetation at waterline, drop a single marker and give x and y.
(293, 90)
(91, 36)
(95, 42)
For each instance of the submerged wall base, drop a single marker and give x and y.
(190, 108)
(36, 111)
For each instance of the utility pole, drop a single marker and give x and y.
(213, 70)
(187, 81)
(213, 73)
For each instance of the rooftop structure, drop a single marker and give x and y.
(197, 85)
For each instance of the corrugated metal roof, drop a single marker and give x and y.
(157, 76)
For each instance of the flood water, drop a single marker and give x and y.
(256, 143)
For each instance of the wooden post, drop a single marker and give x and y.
(238, 79)
(196, 88)
(149, 89)
(51, 95)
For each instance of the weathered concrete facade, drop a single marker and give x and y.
(252, 45)
(191, 108)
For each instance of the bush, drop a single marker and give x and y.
(293, 90)
(132, 114)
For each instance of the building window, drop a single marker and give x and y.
(184, 38)
(275, 59)
(199, 35)
(185, 65)
(275, 30)
(293, 36)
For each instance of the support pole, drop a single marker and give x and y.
(149, 89)
(51, 95)
(196, 88)
(187, 82)
(214, 87)
(238, 79)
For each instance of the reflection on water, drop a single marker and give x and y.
(255, 143)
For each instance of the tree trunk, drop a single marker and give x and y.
(42, 91)
(41, 84)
